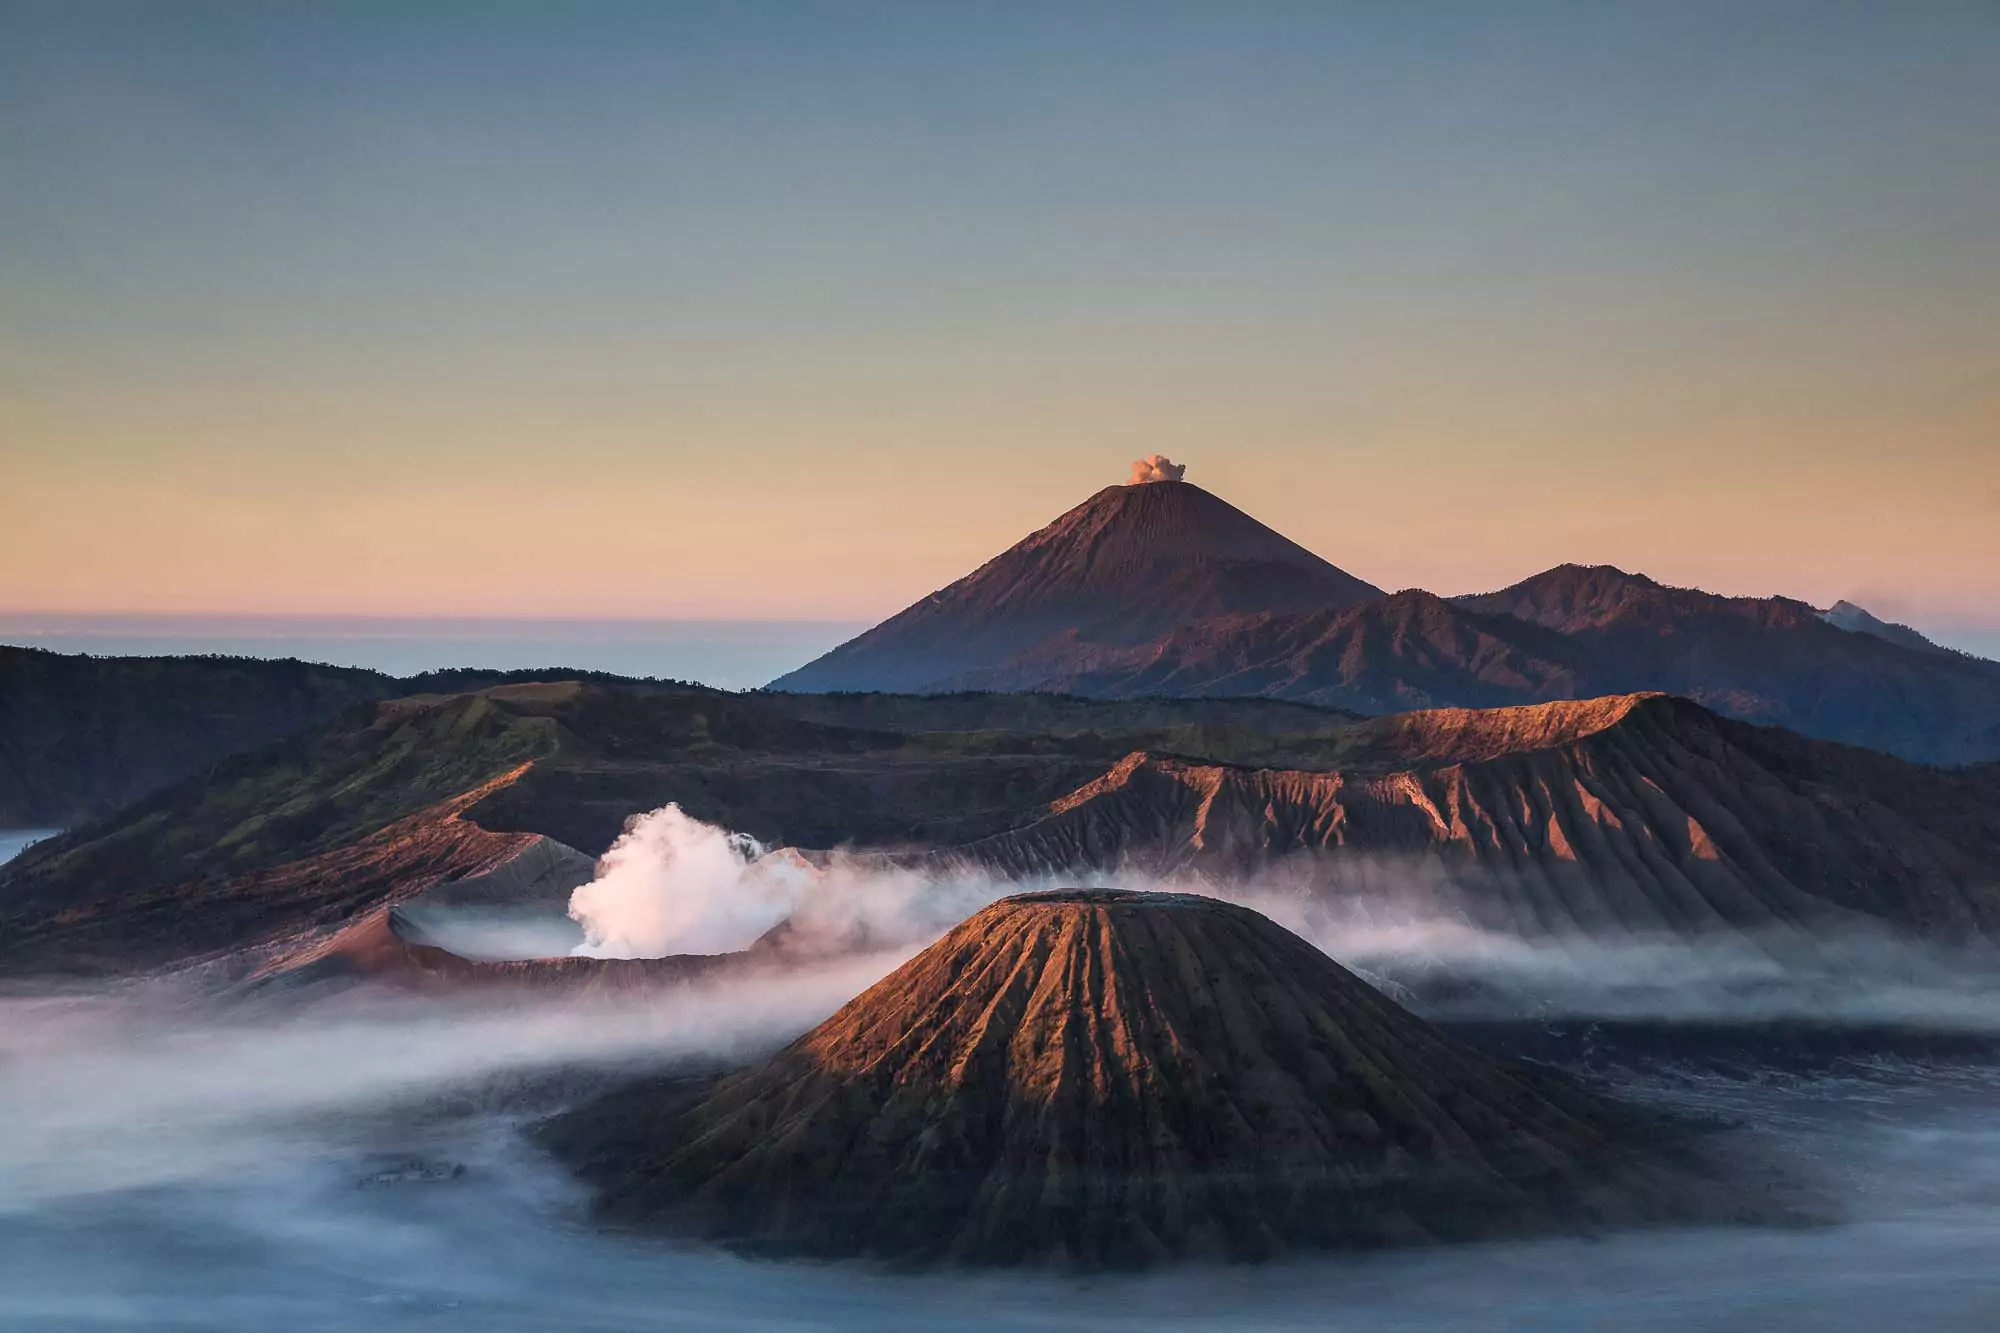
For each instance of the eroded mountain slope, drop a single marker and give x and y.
(1640, 814)
(1103, 1078)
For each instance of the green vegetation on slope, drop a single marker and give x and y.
(81, 736)
(284, 802)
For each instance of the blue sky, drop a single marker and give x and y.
(799, 310)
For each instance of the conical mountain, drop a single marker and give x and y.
(1844, 614)
(1122, 568)
(1093, 1077)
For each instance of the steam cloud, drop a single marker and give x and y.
(674, 885)
(1156, 467)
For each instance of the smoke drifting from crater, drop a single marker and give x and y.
(674, 885)
(1156, 467)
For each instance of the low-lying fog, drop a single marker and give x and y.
(357, 1164)
(349, 1160)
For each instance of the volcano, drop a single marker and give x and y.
(1160, 590)
(1122, 568)
(1103, 1078)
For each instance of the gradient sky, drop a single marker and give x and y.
(753, 310)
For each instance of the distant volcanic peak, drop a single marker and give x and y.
(1096, 1077)
(1168, 522)
(1859, 620)
(1590, 582)
(1128, 565)
(1564, 593)
(1573, 597)
(1607, 572)
(1576, 575)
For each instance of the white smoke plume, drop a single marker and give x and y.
(674, 885)
(1156, 467)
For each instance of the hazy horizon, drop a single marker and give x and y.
(739, 654)
(726, 653)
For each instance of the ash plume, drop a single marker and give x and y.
(1156, 467)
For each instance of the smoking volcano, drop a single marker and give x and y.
(1104, 1078)
(1126, 566)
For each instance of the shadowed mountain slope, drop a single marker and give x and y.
(1617, 816)
(1635, 815)
(81, 736)
(1574, 633)
(1123, 567)
(1407, 650)
(1764, 659)
(1858, 619)
(1064, 715)
(1092, 1078)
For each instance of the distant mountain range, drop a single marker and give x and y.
(81, 735)
(1635, 816)
(1150, 591)
(1163, 589)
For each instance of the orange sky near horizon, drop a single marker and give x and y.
(853, 531)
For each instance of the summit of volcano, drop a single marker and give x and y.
(1123, 568)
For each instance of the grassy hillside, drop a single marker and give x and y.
(81, 736)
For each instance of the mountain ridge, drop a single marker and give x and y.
(1631, 816)
(81, 736)
(1643, 815)
(1574, 631)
